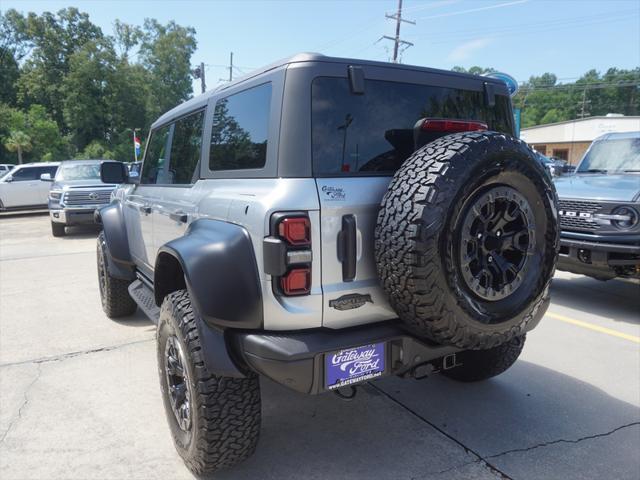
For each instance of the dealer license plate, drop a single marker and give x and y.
(354, 365)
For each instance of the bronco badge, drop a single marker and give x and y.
(349, 302)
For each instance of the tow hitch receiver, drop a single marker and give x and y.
(435, 366)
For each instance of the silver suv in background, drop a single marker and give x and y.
(76, 193)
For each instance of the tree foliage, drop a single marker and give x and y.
(76, 91)
(543, 99)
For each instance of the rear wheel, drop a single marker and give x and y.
(214, 420)
(477, 365)
(467, 239)
(114, 292)
(57, 229)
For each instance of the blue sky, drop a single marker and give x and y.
(520, 37)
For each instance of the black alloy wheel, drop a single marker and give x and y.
(496, 241)
(178, 388)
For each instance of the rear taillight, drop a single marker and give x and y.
(452, 126)
(287, 253)
(295, 230)
(296, 282)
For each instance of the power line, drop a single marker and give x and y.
(397, 41)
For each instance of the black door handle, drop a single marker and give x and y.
(179, 216)
(347, 248)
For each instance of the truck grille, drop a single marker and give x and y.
(97, 197)
(578, 215)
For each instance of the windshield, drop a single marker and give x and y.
(612, 156)
(82, 171)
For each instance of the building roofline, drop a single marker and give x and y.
(631, 117)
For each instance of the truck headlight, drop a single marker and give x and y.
(55, 195)
(623, 218)
(627, 218)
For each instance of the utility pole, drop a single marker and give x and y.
(397, 41)
(198, 72)
(230, 67)
(584, 102)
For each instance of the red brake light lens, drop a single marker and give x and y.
(452, 126)
(295, 230)
(297, 282)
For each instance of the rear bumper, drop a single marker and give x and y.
(296, 359)
(599, 258)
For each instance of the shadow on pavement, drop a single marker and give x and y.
(379, 434)
(80, 232)
(24, 213)
(614, 299)
(137, 320)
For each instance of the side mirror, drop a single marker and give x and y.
(114, 172)
(8, 178)
(46, 177)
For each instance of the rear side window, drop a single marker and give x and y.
(373, 133)
(185, 149)
(174, 152)
(156, 156)
(240, 130)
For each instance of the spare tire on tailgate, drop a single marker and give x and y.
(466, 240)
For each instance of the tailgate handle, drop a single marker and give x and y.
(347, 248)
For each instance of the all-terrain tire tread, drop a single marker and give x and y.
(116, 301)
(229, 408)
(478, 365)
(410, 257)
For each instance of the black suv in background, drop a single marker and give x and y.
(599, 210)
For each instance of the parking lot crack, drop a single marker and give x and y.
(555, 442)
(66, 356)
(468, 450)
(24, 404)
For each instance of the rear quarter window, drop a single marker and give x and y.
(373, 133)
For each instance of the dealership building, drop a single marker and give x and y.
(569, 140)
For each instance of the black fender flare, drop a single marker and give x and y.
(111, 218)
(220, 272)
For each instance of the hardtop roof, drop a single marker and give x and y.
(202, 99)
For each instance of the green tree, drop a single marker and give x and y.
(87, 92)
(18, 142)
(96, 150)
(46, 140)
(52, 39)
(166, 53)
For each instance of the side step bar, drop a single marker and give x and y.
(143, 296)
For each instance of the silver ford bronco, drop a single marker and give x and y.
(325, 222)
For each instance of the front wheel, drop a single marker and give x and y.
(214, 420)
(57, 229)
(477, 365)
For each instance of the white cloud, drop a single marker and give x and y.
(465, 50)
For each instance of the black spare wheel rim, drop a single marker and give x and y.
(497, 239)
(178, 389)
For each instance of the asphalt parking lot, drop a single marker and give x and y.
(79, 394)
